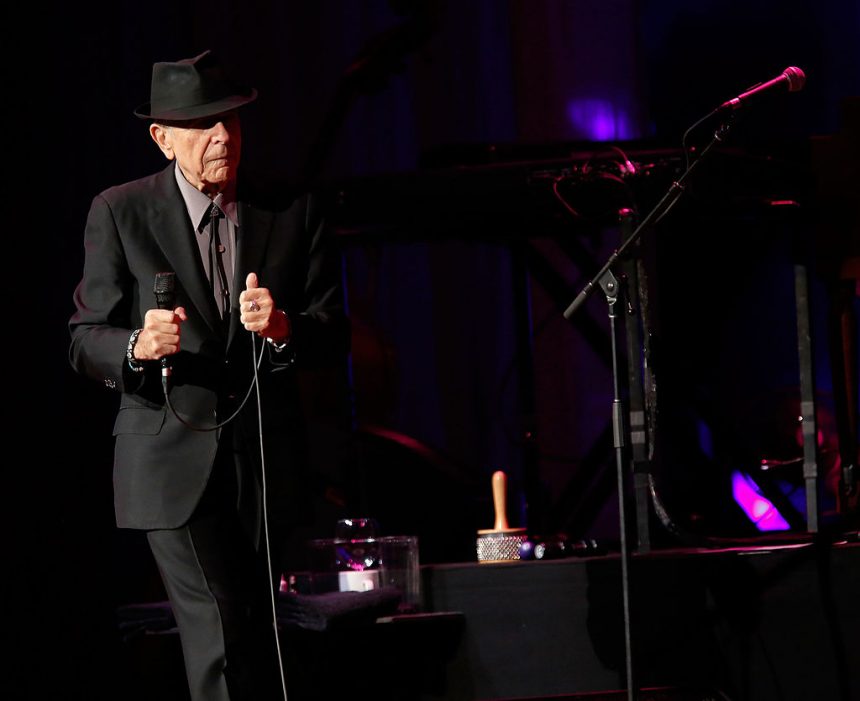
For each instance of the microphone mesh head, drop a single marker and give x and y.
(796, 78)
(165, 290)
(165, 283)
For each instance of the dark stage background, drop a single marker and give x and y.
(360, 98)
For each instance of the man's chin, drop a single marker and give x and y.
(220, 177)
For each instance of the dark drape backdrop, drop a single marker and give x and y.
(436, 324)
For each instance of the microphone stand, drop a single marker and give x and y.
(609, 284)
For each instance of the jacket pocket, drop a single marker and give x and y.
(147, 422)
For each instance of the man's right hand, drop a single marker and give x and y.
(160, 333)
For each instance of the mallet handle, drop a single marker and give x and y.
(500, 483)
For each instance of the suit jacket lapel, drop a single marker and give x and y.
(174, 233)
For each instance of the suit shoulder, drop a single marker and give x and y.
(145, 187)
(270, 198)
(280, 194)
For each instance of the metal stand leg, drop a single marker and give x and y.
(609, 285)
(807, 398)
(634, 321)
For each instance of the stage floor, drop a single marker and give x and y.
(755, 623)
(777, 622)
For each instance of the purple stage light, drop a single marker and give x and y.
(598, 120)
(758, 509)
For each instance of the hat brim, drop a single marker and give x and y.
(209, 109)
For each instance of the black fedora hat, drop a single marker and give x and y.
(190, 89)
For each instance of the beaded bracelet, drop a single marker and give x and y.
(277, 347)
(133, 363)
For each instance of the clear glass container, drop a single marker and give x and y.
(362, 564)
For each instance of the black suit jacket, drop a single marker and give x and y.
(161, 466)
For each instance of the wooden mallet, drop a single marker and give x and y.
(500, 543)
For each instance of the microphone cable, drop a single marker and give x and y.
(166, 391)
(265, 521)
(256, 361)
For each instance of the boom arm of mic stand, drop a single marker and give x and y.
(663, 206)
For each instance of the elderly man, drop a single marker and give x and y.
(193, 294)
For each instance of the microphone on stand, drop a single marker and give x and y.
(792, 79)
(165, 297)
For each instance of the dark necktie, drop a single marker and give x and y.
(217, 274)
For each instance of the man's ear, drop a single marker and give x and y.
(162, 136)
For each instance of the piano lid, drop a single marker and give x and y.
(511, 191)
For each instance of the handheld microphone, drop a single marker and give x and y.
(165, 297)
(791, 78)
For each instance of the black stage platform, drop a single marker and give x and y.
(778, 622)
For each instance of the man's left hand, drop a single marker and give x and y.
(259, 313)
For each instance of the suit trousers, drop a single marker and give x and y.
(217, 582)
